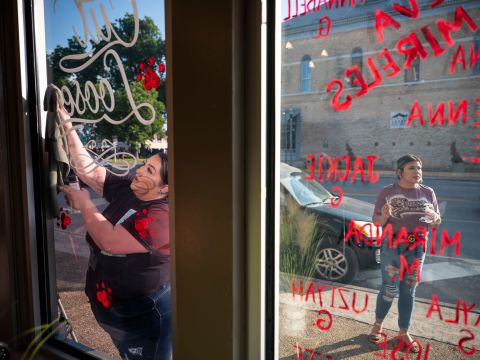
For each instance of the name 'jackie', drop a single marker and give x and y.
(410, 46)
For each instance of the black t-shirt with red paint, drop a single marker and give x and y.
(118, 279)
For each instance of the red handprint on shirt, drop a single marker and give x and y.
(142, 222)
(103, 295)
(63, 220)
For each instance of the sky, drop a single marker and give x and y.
(61, 15)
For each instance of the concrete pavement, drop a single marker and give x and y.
(351, 323)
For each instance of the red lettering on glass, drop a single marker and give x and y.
(411, 47)
(461, 111)
(337, 202)
(453, 114)
(435, 3)
(427, 33)
(415, 114)
(356, 77)
(310, 290)
(295, 289)
(377, 78)
(410, 269)
(323, 31)
(413, 12)
(446, 27)
(320, 322)
(333, 168)
(434, 307)
(340, 106)
(458, 57)
(439, 113)
(471, 336)
(383, 345)
(382, 21)
(449, 241)
(391, 65)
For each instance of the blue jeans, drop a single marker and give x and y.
(141, 329)
(401, 270)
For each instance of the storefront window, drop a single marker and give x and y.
(106, 72)
(378, 209)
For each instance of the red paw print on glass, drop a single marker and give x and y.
(63, 220)
(141, 223)
(147, 73)
(104, 295)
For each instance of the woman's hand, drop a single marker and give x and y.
(386, 212)
(78, 199)
(64, 118)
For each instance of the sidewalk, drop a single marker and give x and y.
(347, 339)
(348, 335)
(71, 255)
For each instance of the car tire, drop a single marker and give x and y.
(337, 263)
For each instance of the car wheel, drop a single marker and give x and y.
(336, 263)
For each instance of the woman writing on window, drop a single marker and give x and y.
(409, 208)
(127, 280)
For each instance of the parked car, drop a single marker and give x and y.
(337, 260)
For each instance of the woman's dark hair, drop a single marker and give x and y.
(401, 162)
(162, 154)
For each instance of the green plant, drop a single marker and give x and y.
(299, 240)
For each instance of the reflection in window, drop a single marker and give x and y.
(476, 47)
(357, 59)
(306, 74)
(290, 123)
(412, 74)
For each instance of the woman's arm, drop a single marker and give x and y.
(91, 173)
(112, 239)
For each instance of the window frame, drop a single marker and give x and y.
(28, 248)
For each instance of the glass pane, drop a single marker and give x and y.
(379, 179)
(105, 117)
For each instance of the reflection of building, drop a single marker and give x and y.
(375, 123)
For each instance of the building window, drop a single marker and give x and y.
(412, 74)
(357, 59)
(476, 46)
(306, 74)
(290, 123)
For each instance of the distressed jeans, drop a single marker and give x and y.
(141, 329)
(401, 270)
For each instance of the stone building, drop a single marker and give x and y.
(376, 122)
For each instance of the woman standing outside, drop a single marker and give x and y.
(406, 205)
(128, 275)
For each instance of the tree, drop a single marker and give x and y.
(149, 50)
(132, 130)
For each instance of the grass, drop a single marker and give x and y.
(299, 240)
